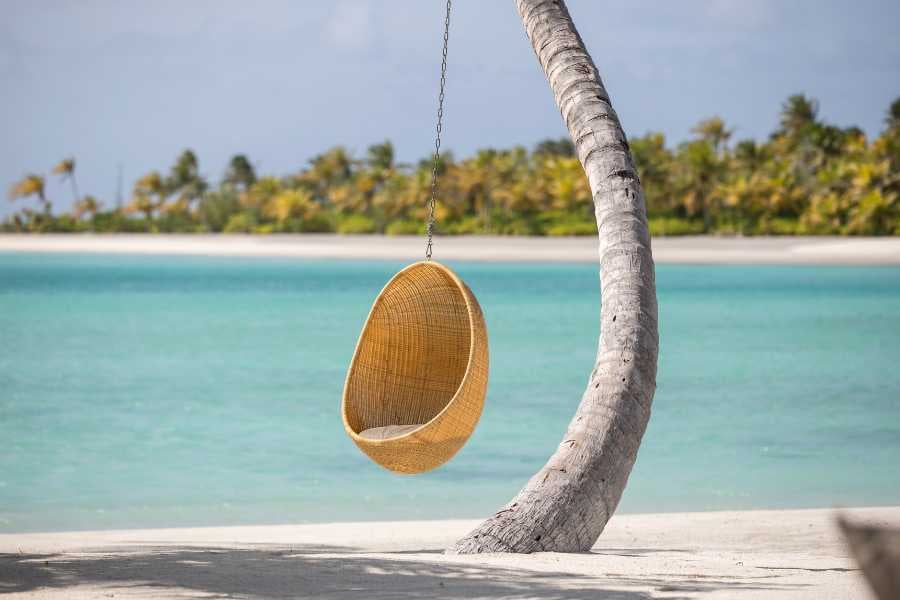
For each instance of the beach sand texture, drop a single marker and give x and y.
(685, 250)
(714, 555)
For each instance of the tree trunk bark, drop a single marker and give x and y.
(566, 505)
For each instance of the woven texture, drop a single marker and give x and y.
(422, 358)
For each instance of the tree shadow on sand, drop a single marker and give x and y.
(276, 572)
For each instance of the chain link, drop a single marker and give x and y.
(437, 138)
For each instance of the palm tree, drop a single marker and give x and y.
(748, 155)
(144, 204)
(371, 182)
(798, 113)
(334, 167)
(66, 170)
(893, 115)
(518, 190)
(150, 194)
(392, 200)
(380, 157)
(567, 188)
(714, 131)
(888, 143)
(566, 505)
(290, 205)
(706, 161)
(86, 206)
(475, 179)
(699, 168)
(259, 194)
(185, 179)
(240, 172)
(217, 207)
(153, 184)
(30, 185)
(654, 164)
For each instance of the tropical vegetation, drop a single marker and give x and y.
(808, 177)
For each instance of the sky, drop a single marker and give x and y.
(126, 84)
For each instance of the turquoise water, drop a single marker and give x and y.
(161, 391)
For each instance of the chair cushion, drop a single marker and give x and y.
(388, 431)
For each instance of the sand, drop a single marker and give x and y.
(750, 554)
(683, 250)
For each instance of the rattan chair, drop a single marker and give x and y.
(417, 381)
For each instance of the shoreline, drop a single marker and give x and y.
(701, 250)
(728, 554)
(126, 530)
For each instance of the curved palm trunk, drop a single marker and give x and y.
(42, 198)
(566, 505)
(74, 186)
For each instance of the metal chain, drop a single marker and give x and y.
(437, 138)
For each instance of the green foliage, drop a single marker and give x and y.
(216, 208)
(116, 221)
(777, 226)
(381, 156)
(315, 224)
(808, 177)
(240, 223)
(517, 226)
(663, 226)
(557, 147)
(463, 226)
(177, 222)
(571, 228)
(66, 224)
(355, 224)
(567, 222)
(405, 227)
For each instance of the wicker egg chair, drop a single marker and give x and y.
(416, 385)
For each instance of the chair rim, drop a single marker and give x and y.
(461, 287)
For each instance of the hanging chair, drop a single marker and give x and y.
(416, 384)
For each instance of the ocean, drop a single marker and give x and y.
(140, 391)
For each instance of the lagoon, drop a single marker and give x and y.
(148, 391)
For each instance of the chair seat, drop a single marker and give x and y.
(388, 431)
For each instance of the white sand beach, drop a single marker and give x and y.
(752, 554)
(683, 250)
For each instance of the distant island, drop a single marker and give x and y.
(808, 178)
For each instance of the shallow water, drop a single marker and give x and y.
(169, 391)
